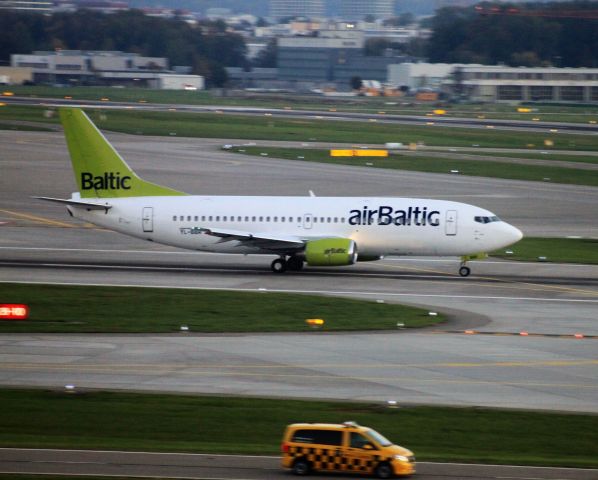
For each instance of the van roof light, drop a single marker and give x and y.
(350, 424)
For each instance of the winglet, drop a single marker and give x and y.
(100, 171)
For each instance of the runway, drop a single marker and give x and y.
(229, 467)
(381, 117)
(553, 371)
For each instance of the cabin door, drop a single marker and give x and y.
(450, 223)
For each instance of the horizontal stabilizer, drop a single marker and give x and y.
(78, 203)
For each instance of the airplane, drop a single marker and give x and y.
(317, 231)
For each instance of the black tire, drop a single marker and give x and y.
(464, 271)
(301, 467)
(384, 470)
(279, 266)
(295, 264)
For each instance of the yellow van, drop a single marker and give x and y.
(348, 447)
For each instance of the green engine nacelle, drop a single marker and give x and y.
(331, 252)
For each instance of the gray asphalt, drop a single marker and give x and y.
(40, 243)
(215, 467)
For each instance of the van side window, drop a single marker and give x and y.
(320, 437)
(358, 440)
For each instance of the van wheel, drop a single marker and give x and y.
(300, 467)
(384, 470)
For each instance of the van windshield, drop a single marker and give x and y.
(379, 439)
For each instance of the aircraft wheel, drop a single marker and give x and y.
(295, 264)
(464, 271)
(279, 265)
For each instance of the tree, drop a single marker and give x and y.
(268, 57)
(355, 82)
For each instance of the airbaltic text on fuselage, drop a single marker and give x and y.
(386, 215)
(108, 181)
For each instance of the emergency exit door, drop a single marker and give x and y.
(147, 219)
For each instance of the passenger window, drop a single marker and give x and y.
(239, 219)
(276, 219)
(328, 219)
(282, 219)
(253, 219)
(203, 218)
(315, 219)
(174, 218)
(246, 219)
(320, 437)
(181, 218)
(210, 218)
(342, 219)
(217, 218)
(357, 440)
(195, 218)
(224, 218)
(267, 219)
(261, 219)
(335, 220)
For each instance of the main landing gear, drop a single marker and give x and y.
(282, 264)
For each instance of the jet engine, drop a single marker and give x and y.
(330, 252)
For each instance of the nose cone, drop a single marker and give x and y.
(513, 234)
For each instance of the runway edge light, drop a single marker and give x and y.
(14, 311)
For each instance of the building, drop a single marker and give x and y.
(421, 75)
(15, 75)
(522, 84)
(297, 8)
(41, 6)
(76, 67)
(330, 58)
(359, 9)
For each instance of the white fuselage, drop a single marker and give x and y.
(379, 226)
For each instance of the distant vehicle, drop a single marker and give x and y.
(319, 231)
(349, 448)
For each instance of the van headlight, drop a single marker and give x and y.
(401, 458)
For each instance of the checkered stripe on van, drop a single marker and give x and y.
(331, 459)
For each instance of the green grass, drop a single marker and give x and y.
(306, 129)
(55, 308)
(434, 164)
(374, 105)
(27, 128)
(558, 250)
(155, 422)
(548, 156)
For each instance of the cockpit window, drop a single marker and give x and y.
(480, 219)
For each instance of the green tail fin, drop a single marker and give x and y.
(99, 169)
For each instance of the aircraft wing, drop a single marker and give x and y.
(266, 241)
(78, 203)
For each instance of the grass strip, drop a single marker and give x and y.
(556, 250)
(434, 164)
(546, 155)
(214, 125)
(374, 105)
(21, 127)
(185, 423)
(57, 308)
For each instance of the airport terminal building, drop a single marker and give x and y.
(524, 84)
